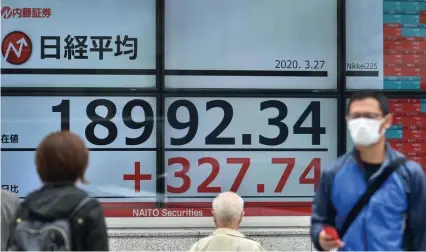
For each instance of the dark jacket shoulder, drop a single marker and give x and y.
(56, 201)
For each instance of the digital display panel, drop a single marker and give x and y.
(119, 131)
(50, 43)
(386, 44)
(268, 150)
(408, 133)
(253, 44)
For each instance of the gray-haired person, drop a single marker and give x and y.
(9, 207)
(228, 211)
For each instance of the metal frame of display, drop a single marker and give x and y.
(341, 76)
(161, 93)
(160, 41)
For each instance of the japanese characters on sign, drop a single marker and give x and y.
(111, 47)
(12, 188)
(9, 138)
(8, 12)
(77, 47)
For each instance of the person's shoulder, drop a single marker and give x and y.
(200, 243)
(334, 167)
(411, 167)
(247, 240)
(410, 172)
(6, 195)
(252, 244)
(194, 246)
(85, 205)
(82, 198)
(9, 198)
(205, 239)
(92, 207)
(415, 177)
(9, 203)
(414, 168)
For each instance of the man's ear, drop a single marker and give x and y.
(241, 218)
(346, 119)
(388, 121)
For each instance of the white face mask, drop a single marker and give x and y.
(365, 131)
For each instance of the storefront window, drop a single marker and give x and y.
(179, 100)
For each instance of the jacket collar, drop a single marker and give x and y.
(390, 155)
(58, 184)
(227, 231)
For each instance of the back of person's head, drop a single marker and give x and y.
(62, 157)
(228, 210)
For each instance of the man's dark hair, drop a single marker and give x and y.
(378, 96)
(62, 157)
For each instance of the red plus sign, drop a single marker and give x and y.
(137, 177)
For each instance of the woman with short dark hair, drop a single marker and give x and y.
(61, 160)
(62, 157)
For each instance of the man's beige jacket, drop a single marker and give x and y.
(224, 239)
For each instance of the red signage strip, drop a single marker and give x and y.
(202, 209)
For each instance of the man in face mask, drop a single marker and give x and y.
(395, 216)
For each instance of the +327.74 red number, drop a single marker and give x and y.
(244, 163)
